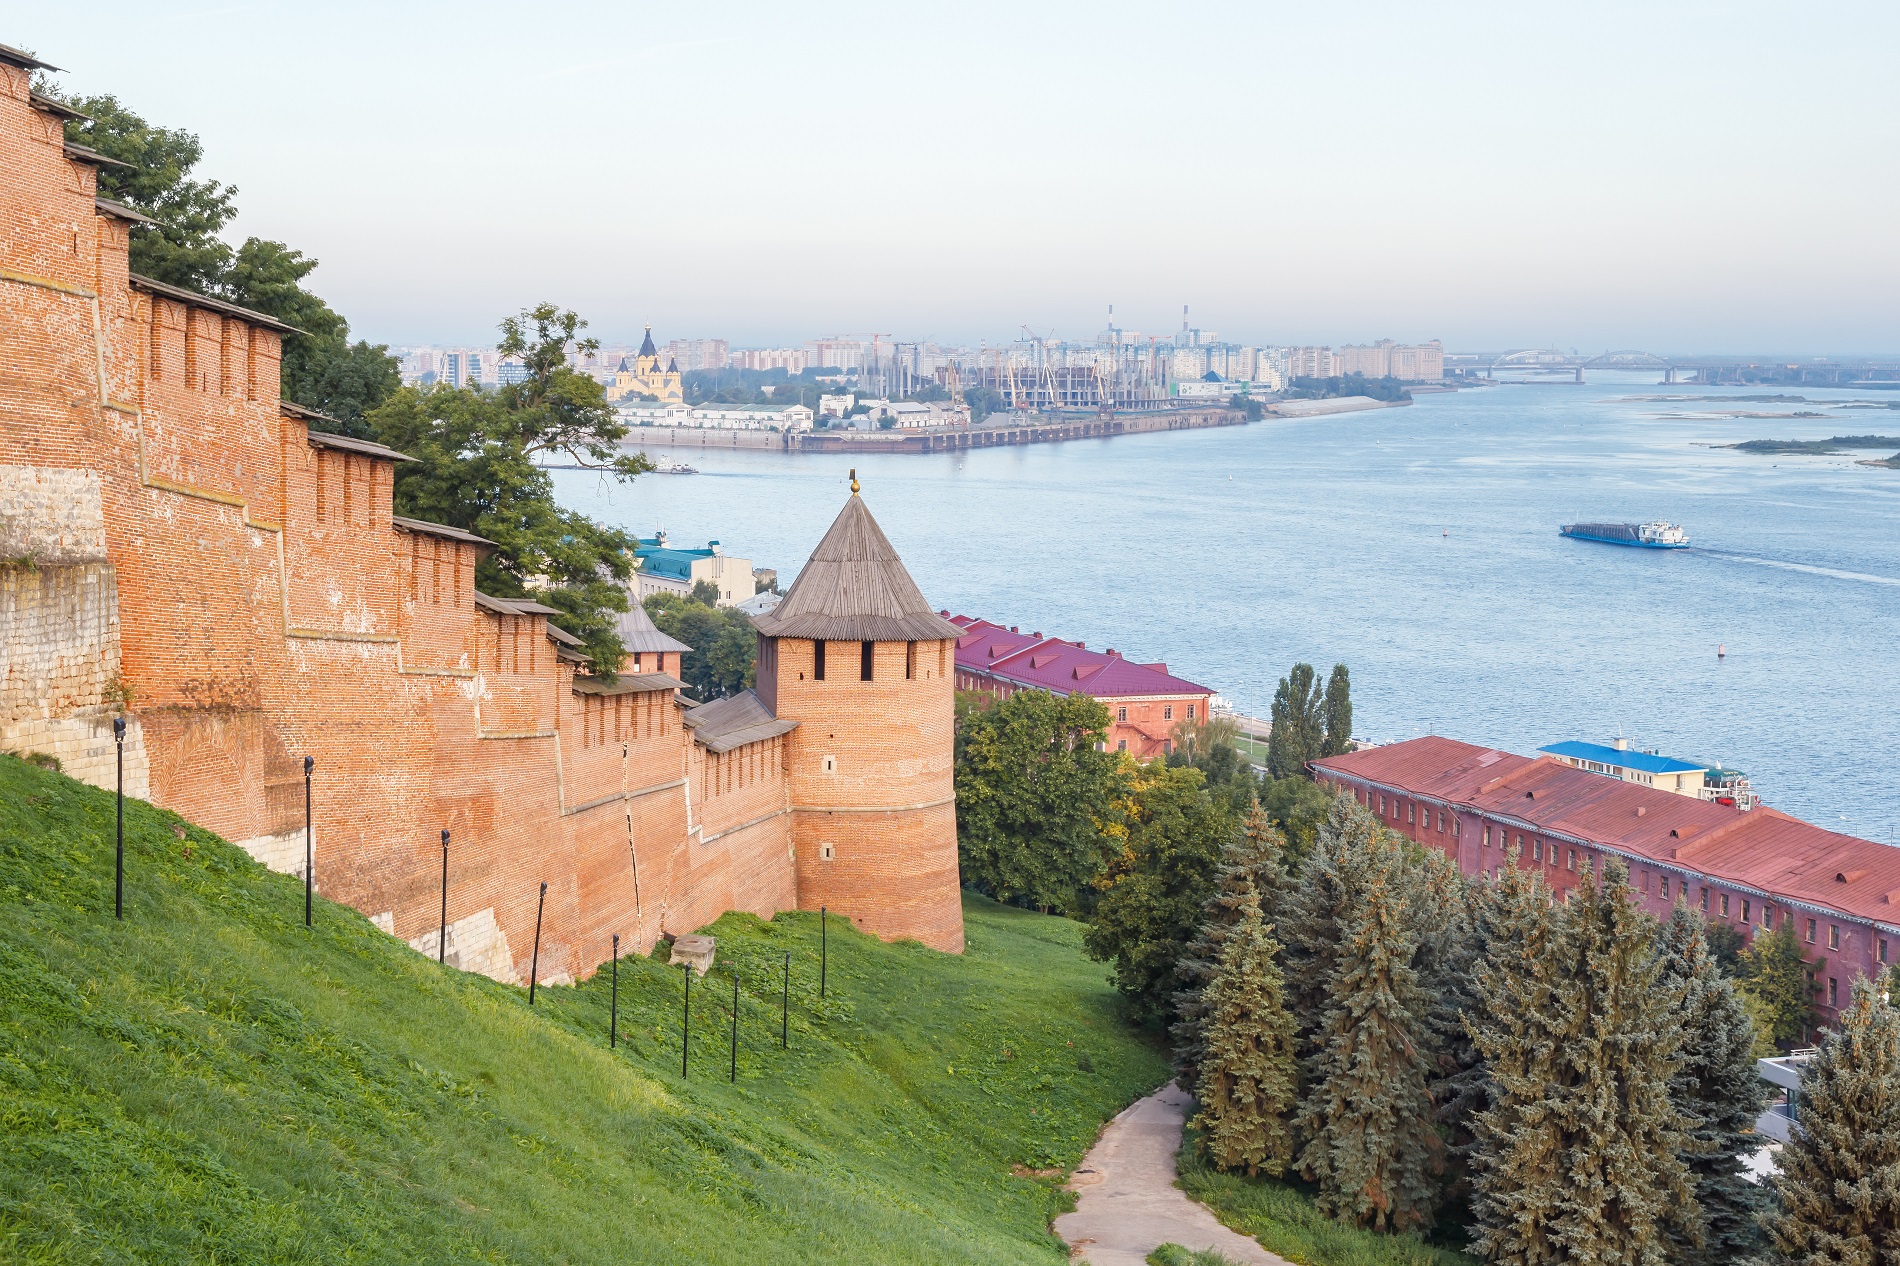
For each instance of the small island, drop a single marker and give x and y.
(1820, 448)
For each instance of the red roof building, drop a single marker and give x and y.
(1752, 870)
(1145, 701)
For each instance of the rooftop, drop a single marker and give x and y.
(1762, 849)
(214, 305)
(638, 632)
(1622, 758)
(854, 588)
(1061, 667)
(723, 724)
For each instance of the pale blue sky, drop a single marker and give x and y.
(1673, 176)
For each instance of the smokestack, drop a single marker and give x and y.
(1184, 318)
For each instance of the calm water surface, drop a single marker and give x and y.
(1233, 553)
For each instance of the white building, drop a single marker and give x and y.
(719, 417)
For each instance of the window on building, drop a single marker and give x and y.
(1411, 812)
(1121, 714)
(1810, 935)
(910, 661)
(1833, 936)
(1537, 850)
(1484, 836)
(1664, 882)
(1167, 712)
(1883, 949)
(818, 660)
(1570, 860)
(1833, 992)
(1121, 745)
(1745, 912)
(1767, 916)
(1725, 905)
(1190, 712)
(867, 652)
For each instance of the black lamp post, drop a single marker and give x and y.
(442, 933)
(613, 1007)
(118, 872)
(534, 963)
(309, 847)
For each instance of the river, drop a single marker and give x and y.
(1419, 546)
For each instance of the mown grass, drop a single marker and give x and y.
(209, 1081)
(1282, 1217)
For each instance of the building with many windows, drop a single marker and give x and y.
(1145, 701)
(1753, 870)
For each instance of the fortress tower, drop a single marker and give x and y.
(862, 662)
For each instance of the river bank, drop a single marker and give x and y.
(1000, 430)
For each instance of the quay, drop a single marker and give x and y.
(1042, 428)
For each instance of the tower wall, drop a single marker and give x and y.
(870, 773)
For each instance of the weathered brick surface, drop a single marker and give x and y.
(267, 608)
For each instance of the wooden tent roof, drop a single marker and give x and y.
(855, 588)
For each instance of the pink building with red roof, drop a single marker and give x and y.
(1145, 701)
(1752, 870)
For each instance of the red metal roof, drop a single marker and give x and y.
(1762, 849)
(1052, 664)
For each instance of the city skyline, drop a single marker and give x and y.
(1674, 180)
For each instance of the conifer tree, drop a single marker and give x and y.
(1247, 1071)
(1717, 1087)
(1442, 903)
(1365, 1115)
(1579, 1156)
(1309, 916)
(1837, 1189)
(1251, 869)
(1517, 1158)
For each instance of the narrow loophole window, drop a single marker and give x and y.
(818, 661)
(866, 653)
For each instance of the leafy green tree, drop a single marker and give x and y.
(722, 661)
(1032, 791)
(1298, 808)
(1837, 1185)
(1299, 724)
(1170, 834)
(1718, 1090)
(1247, 1077)
(1780, 982)
(1338, 713)
(321, 368)
(475, 470)
(1581, 1154)
(1252, 872)
(556, 409)
(1366, 1114)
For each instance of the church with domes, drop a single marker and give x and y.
(640, 376)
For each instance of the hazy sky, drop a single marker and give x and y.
(1676, 177)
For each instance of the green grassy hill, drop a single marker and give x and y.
(209, 1081)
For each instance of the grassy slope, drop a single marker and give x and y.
(208, 1081)
(1284, 1220)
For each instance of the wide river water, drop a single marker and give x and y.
(1419, 546)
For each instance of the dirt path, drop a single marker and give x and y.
(1127, 1203)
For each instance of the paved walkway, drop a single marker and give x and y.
(1126, 1202)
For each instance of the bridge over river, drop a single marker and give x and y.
(1820, 371)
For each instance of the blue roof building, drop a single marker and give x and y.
(1651, 769)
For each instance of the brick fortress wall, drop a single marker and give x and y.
(175, 542)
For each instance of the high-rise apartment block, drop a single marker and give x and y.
(1424, 362)
(698, 353)
(1311, 362)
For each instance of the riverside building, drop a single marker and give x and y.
(1753, 870)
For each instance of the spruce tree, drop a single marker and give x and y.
(1247, 1071)
(1442, 905)
(1366, 1115)
(1310, 913)
(1717, 1087)
(1579, 1156)
(1251, 869)
(1621, 1051)
(1837, 1189)
(1517, 1158)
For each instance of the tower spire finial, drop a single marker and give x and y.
(854, 481)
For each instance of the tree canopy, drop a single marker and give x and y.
(1032, 794)
(722, 661)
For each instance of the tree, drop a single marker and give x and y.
(1780, 982)
(1031, 793)
(1247, 1078)
(556, 409)
(1365, 1115)
(1338, 714)
(1726, 944)
(1170, 834)
(1837, 1185)
(1252, 872)
(1517, 1158)
(722, 661)
(475, 470)
(1443, 907)
(321, 368)
(1299, 725)
(1718, 1089)
(1298, 808)
(1580, 1156)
